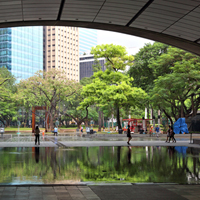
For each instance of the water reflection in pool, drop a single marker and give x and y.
(99, 164)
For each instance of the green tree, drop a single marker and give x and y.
(112, 86)
(8, 104)
(47, 89)
(69, 109)
(142, 71)
(178, 93)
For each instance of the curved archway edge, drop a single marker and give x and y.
(184, 44)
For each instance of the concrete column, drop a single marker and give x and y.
(145, 113)
(151, 115)
(143, 124)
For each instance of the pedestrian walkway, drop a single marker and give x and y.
(101, 192)
(124, 143)
(27, 144)
(97, 143)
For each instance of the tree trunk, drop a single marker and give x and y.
(26, 118)
(193, 109)
(86, 122)
(161, 117)
(102, 117)
(47, 121)
(168, 116)
(99, 121)
(112, 122)
(182, 115)
(79, 124)
(118, 119)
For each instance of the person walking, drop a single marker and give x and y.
(37, 135)
(168, 133)
(157, 129)
(129, 135)
(172, 135)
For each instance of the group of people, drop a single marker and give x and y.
(170, 134)
(37, 134)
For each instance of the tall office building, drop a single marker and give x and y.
(21, 50)
(86, 65)
(61, 50)
(87, 40)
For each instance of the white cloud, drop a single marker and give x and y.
(132, 43)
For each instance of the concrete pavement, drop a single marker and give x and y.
(102, 192)
(55, 143)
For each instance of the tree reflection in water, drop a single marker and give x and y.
(130, 164)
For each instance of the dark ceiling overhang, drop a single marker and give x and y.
(174, 22)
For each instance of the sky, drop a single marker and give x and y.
(132, 43)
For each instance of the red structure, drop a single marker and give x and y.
(33, 117)
(139, 123)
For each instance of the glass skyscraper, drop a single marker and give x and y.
(21, 50)
(87, 39)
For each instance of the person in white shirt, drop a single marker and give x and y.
(56, 131)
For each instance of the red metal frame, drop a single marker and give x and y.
(134, 122)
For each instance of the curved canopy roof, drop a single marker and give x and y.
(175, 22)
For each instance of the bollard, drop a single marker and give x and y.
(191, 138)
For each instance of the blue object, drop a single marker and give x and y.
(181, 149)
(180, 126)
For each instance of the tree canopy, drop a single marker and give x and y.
(142, 71)
(112, 87)
(180, 89)
(47, 89)
(8, 105)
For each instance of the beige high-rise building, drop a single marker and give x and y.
(61, 50)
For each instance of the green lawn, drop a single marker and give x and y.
(16, 129)
(29, 129)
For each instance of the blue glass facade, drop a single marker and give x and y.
(21, 50)
(87, 39)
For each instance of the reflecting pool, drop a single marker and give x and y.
(42, 165)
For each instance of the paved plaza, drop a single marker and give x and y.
(103, 192)
(54, 142)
